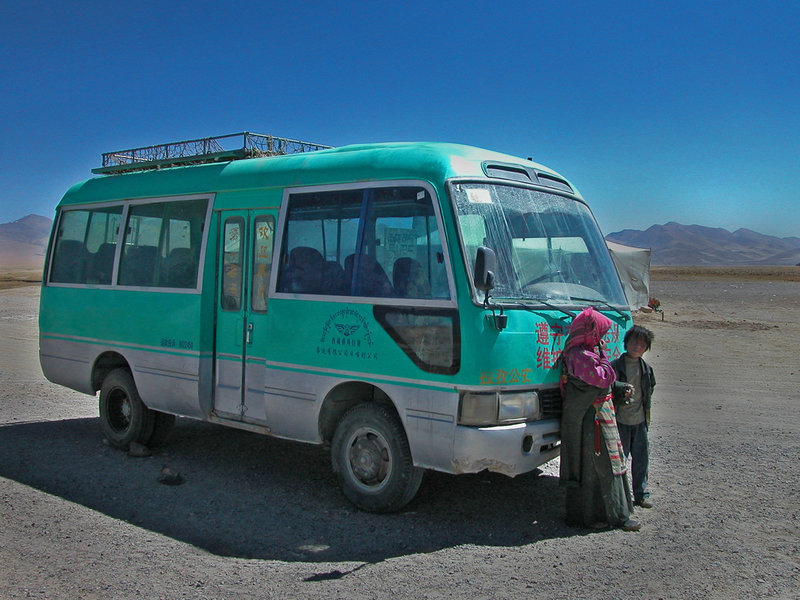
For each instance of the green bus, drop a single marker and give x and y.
(403, 303)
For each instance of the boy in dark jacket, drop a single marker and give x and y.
(633, 409)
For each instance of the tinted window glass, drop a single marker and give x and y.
(232, 259)
(263, 240)
(548, 247)
(429, 337)
(375, 242)
(162, 244)
(85, 245)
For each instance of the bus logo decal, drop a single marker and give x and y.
(346, 333)
(346, 330)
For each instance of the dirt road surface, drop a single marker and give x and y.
(261, 518)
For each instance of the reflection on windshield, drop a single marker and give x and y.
(548, 247)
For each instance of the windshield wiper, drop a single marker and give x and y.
(604, 303)
(547, 304)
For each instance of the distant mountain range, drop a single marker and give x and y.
(23, 244)
(674, 244)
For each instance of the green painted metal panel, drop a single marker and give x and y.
(522, 354)
(159, 321)
(431, 162)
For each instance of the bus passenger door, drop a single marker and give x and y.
(244, 263)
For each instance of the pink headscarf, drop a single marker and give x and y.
(582, 358)
(587, 329)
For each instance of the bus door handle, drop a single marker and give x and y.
(249, 335)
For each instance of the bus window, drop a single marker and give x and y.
(263, 239)
(408, 245)
(320, 235)
(430, 337)
(162, 244)
(87, 240)
(232, 256)
(372, 242)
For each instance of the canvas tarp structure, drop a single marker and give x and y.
(633, 265)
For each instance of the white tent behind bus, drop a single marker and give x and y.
(633, 265)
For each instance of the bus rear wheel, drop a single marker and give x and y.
(123, 416)
(372, 460)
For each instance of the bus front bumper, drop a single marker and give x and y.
(507, 449)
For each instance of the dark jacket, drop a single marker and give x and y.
(648, 383)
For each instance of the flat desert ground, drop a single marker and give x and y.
(258, 517)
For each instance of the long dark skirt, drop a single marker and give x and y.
(593, 493)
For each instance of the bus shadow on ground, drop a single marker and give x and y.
(251, 496)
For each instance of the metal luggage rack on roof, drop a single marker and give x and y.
(204, 150)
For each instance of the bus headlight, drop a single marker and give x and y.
(478, 408)
(494, 408)
(518, 406)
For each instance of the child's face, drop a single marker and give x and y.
(636, 347)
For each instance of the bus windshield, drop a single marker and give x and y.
(548, 247)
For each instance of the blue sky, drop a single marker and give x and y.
(656, 111)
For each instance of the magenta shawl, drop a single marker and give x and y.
(584, 359)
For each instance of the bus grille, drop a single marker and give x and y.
(551, 403)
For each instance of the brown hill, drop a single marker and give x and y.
(674, 244)
(23, 243)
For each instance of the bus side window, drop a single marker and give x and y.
(429, 337)
(321, 231)
(408, 243)
(232, 256)
(140, 247)
(181, 238)
(162, 244)
(87, 240)
(263, 240)
(399, 251)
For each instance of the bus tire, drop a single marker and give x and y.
(162, 425)
(123, 416)
(372, 460)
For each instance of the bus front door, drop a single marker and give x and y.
(246, 242)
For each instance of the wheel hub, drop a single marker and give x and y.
(120, 411)
(369, 459)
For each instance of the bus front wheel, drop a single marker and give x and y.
(372, 460)
(123, 416)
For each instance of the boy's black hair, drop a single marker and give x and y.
(640, 332)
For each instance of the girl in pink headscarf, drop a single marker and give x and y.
(592, 463)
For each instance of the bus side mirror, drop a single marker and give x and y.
(485, 266)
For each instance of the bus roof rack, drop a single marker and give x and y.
(221, 148)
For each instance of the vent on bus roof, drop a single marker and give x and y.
(553, 182)
(204, 150)
(520, 173)
(512, 172)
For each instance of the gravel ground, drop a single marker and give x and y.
(261, 518)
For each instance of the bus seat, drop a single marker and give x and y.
(409, 279)
(102, 264)
(138, 265)
(333, 279)
(179, 269)
(305, 270)
(370, 278)
(69, 262)
(348, 272)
